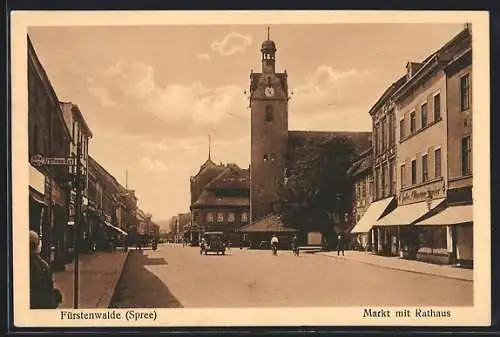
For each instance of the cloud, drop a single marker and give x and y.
(102, 95)
(231, 43)
(175, 111)
(155, 165)
(204, 56)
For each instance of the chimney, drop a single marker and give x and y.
(468, 26)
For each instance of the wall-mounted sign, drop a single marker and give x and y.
(423, 193)
(39, 160)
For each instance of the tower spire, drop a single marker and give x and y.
(209, 146)
(268, 30)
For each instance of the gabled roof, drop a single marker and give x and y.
(269, 224)
(208, 198)
(362, 164)
(232, 177)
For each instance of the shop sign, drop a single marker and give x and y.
(432, 191)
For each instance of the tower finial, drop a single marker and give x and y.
(268, 29)
(209, 144)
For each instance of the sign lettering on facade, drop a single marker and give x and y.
(436, 190)
(39, 160)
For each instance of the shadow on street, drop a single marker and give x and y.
(139, 288)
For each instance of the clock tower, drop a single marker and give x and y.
(269, 131)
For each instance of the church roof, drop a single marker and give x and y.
(361, 139)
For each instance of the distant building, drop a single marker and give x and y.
(220, 197)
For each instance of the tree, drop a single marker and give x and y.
(316, 191)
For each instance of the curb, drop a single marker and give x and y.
(105, 300)
(401, 269)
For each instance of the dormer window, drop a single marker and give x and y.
(266, 158)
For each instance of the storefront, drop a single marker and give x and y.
(447, 237)
(396, 232)
(363, 234)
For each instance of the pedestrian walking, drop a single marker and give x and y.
(43, 294)
(340, 244)
(229, 246)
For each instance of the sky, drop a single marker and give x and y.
(152, 94)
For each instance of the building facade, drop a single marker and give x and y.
(361, 173)
(433, 110)
(223, 204)
(48, 136)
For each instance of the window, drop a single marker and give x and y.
(265, 158)
(230, 217)
(466, 156)
(413, 172)
(437, 163)
(425, 173)
(384, 134)
(377, 184)
(272, 157)
(402, 175)
(210, 217)
(244, 217)
(392, 118)
(269, 114)
(392, 178)
(402, 129)
(437, 107)
(412, 122)
(423, 115)
(375, 138)
(465, 92)
(383, 182)
(220, 217)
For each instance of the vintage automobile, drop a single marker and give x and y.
(213, 242)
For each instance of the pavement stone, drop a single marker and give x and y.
(99, 275)
(405, 265)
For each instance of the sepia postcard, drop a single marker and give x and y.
(253, 168)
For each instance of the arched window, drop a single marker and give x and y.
(269, 114)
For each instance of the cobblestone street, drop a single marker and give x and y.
(174, 276)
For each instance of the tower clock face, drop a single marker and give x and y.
(269, 91)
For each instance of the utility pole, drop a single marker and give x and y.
(77, 220)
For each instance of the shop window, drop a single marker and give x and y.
(437, 107)
(466, 156)
(465, 92)
(423, 115)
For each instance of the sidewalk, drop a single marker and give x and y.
(99, 275)
(405, 265)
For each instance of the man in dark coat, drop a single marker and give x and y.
(43, 295)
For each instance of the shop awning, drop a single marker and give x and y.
(121, 231)
(408, 214)
(452, 215)
(372, 214)
(37, 180)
